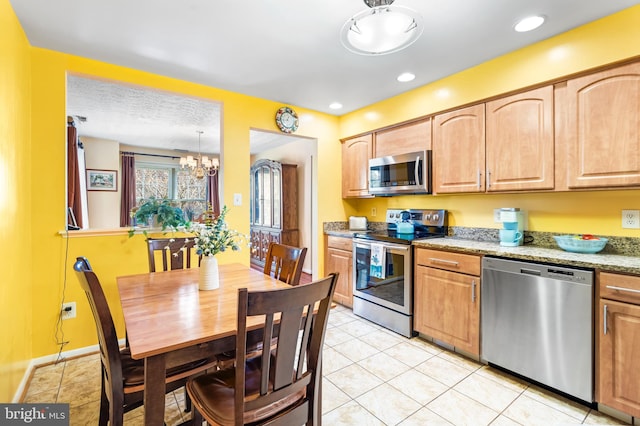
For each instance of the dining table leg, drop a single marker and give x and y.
(154, 389)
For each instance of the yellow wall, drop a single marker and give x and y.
(608, 40)
(15, 204)
(118, 255)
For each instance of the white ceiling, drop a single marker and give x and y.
(288, 51)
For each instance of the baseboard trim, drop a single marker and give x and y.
(50, 359)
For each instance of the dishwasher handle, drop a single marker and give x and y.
(530, 272)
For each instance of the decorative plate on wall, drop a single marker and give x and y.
(287, 120)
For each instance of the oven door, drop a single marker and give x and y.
(393, 290)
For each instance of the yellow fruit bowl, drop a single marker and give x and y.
(575, 244)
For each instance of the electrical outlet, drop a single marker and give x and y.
(374, 212)
(237, 199)
(631, 219)
(68, 310)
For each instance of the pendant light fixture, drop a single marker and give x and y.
(202, 165)
(381, 29)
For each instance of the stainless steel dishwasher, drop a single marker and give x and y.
(537, 321)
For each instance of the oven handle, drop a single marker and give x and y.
(416, 170)
(387, 246)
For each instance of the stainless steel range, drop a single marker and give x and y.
(383, 267)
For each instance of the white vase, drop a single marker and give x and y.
(209, 278)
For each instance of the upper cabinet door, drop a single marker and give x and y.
(356, 153)
(520, 141)
(403, 139)
(603, 128)
(458, 151)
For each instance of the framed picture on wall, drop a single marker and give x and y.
(102, 180)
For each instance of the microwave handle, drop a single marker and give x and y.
(417, 170)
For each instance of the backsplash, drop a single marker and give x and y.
(344, 226)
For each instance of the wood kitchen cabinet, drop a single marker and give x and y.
(447, 298)
(274, 207)
(403, 139)
(339, 258)
(356, 153)
(520, 141)
(459, 150)
(600, 117)
(504, 145)
(618, 339)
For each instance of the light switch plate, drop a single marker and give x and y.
(237, 199)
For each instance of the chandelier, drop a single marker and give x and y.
(381, 29)
(202, 165)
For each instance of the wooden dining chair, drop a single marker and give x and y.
(122, 387)
(175, 252)
(281, 386)
(285, 262)
(282, 262)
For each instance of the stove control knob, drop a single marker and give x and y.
(436, 217)
(427, 218)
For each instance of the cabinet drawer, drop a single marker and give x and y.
(458, 262)
(340, 243)
(625, 288)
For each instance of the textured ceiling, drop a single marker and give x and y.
(139, 116)
(289, 51)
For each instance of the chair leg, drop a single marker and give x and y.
(196, 418)
(104, 406)
(187, 401)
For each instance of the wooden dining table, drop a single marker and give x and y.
(170, 321)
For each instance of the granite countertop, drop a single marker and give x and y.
(344, 233)
(620, 255)
(602, 261)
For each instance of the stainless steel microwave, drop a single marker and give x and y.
(401, 174)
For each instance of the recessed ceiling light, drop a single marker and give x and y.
(529, 23)
(335, 105)
(406, 76)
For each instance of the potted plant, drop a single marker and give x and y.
(162, 212)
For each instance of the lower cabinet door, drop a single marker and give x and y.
(447, 307)
(340, 261)
(619, 356)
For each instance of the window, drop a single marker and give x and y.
(170, 181)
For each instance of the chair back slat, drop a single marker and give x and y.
(266, 360)
(288, 350)
(285, 262)
(304, 343)
(288, 366)
(175, 253)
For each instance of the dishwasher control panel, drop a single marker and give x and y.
(555, 272)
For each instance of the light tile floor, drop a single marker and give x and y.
(371, 377)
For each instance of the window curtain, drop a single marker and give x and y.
(74, 193)
(128, 198)
(213, 197)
